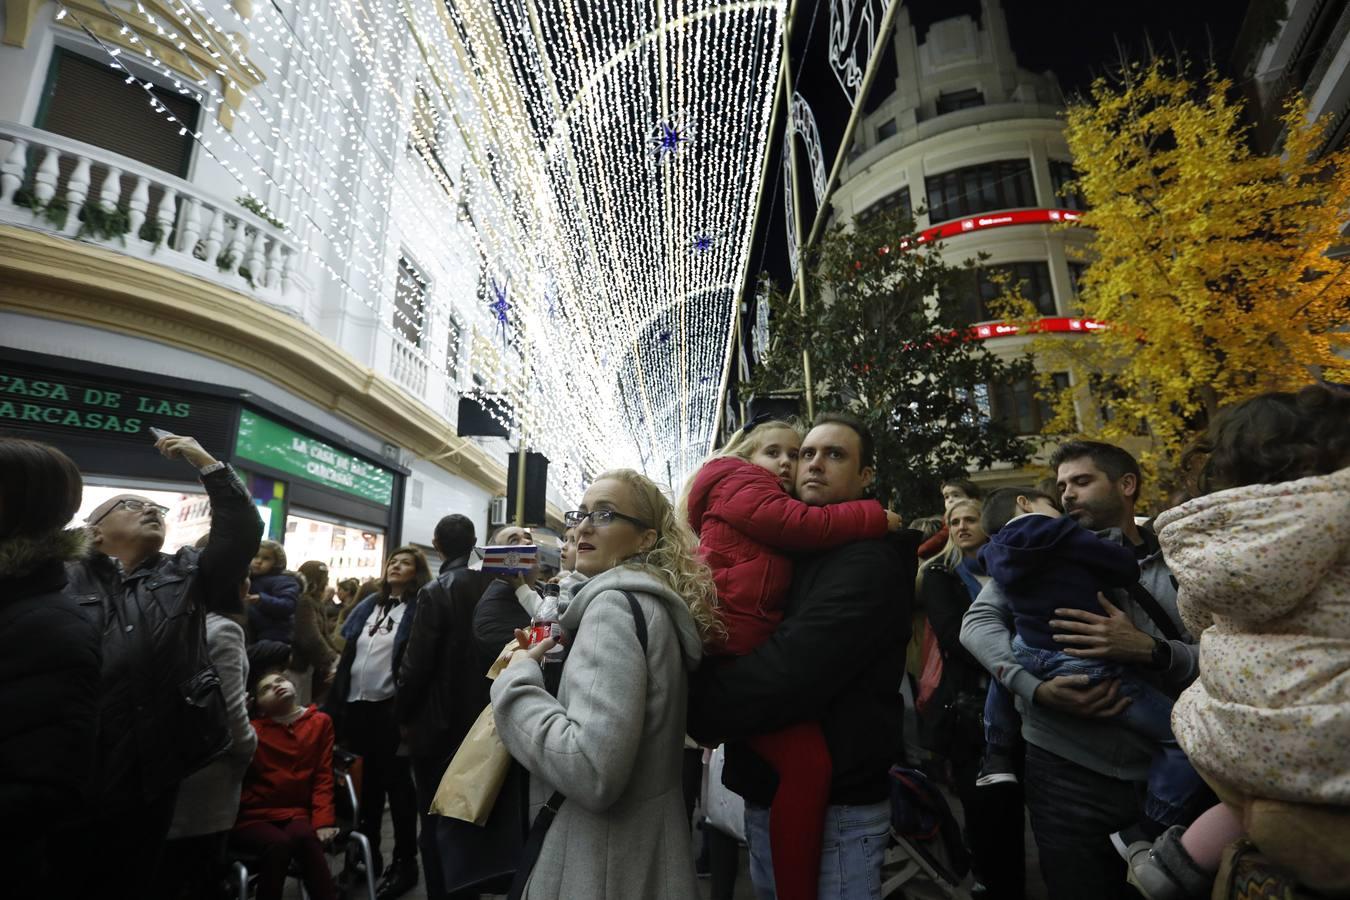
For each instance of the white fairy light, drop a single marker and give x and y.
(527, 157)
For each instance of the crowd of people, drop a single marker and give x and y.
(1165, 698)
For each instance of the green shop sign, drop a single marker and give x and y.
(271, 444)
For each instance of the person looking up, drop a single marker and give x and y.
(508, 602)
(150, 607)
(286, 811)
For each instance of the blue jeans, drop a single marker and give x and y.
(855, 844)
(1172, 782)
(1002, 724)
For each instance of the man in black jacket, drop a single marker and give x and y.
(838, 658)
(156, 677)
(441, 687)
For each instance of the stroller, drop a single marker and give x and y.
(926, 857)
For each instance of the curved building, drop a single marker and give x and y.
(974, 146)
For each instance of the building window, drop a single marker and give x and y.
(886, 130)
(1061, 173)
(1006, 184)
(892, 201)
(410, 303)
(90, 102)
(1020, 408)
(1076, 272)
(951, 102)
(1031, 279)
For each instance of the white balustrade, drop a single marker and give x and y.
(408, 367)
(186, 228)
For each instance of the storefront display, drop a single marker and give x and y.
(349, 552)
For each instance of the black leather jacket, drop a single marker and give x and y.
(441, 686)
(152, 622)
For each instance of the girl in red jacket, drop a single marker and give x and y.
(286, 807)
(741, 506)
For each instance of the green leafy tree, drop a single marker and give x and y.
(883, 348)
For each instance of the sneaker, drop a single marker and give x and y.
(998, 768)
(1163, 870)
(1142, 832)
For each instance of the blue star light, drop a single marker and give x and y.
(667, 138)
(702, 243)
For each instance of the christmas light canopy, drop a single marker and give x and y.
(548, 203)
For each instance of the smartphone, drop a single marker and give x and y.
(159, 433)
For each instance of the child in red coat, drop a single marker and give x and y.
(286, 807)
(741, 506)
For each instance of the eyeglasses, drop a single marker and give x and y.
(599, 518)
(385, 624)
(133, 505)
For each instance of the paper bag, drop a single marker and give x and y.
(471, 783)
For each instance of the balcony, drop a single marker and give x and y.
(69, 188)
(408, 367)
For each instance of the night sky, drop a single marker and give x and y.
(1073, 39)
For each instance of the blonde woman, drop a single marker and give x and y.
(950, 725)
(612, 740)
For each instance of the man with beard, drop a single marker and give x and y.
(1085, 775)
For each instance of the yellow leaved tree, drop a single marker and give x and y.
(1209, 262)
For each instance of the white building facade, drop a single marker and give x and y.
(255, 215)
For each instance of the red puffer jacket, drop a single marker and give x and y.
(746, 523)
(291, 775)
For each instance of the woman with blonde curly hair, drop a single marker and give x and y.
(612, 740)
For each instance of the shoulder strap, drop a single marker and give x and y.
(534, 841)
(1153, 609)
(639, 620)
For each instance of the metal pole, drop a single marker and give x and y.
(873, 66)
(520, 482)
(785, 72)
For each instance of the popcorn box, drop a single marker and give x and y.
(510, 560)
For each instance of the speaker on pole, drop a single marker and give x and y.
(536, 487)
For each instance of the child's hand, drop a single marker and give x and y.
(325, 835)
(894, 521)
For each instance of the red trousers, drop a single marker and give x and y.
(276, 844)
(797, 817)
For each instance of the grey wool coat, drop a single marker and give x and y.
(611, 742)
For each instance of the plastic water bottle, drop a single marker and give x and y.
(545, 623)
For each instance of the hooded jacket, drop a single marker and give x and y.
(1264, 577)
(272, 618)
(1044, 563)
(747, 524)
(49, 687)
(612, 741)
(291, 775)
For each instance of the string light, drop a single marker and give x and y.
(507, 149)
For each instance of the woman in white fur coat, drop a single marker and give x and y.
(612, 740)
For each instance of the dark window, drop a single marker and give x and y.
(894, 200)
(1061, 173)
(410, 303)
(1006, 184)
(1019, 407)
(959, 100)
(1076, 272)
(93, 103)
(1031, 279)
(886, 129)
